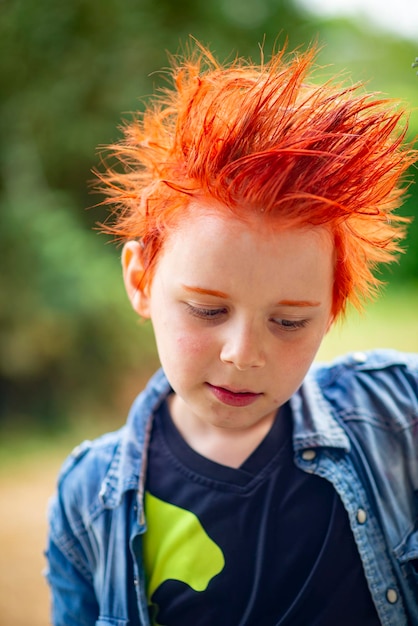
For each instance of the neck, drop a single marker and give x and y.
(227, 446)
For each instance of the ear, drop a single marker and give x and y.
(133, 272)
(330, 322)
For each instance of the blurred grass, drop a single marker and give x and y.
(389, 322)
(18, 452)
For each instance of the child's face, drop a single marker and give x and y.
(239, 313)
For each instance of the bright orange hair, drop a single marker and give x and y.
(262, 141)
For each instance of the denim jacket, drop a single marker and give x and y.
(355, 423)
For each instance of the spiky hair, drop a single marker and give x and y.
(265, 140)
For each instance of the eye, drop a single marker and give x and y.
(206, 313)
(290, 325)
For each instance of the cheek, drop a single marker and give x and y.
(296, 360)
(185, 357)
(174, 336)
(193, 345)
(179, 342)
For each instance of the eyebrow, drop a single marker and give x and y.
(299, 303)
(222, 294)
(206, 292)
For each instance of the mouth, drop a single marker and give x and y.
(234, 397)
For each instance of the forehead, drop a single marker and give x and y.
(204, 217)
(215, 242)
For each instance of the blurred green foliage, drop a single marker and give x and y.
(69, 73)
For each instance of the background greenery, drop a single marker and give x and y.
(69, 73)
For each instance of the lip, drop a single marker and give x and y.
(233, 397)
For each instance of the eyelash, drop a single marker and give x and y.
(206, 314)
(291, 324)
(215, 314)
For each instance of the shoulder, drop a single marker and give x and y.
(372, 365)
(369, 361)
(76, 505)
(90, 459)
(377, 382)
(82, 475)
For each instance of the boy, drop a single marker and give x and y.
(250, 487)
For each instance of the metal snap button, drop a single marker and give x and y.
(360, 357)
(308, 455)
(391, 596)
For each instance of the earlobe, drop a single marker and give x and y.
(133, 272)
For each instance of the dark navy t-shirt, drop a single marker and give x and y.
(262, 545)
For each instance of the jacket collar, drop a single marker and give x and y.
(313, 426)
(314, 422)
(128, 466)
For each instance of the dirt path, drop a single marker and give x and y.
(24, 492)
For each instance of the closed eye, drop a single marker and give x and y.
(206, 313)
(287, 324)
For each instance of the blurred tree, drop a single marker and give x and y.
(68, 73)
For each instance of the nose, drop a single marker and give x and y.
(243, 346)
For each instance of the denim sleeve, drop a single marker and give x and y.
(72, 593)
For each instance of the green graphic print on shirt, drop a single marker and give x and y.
(177, 547)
